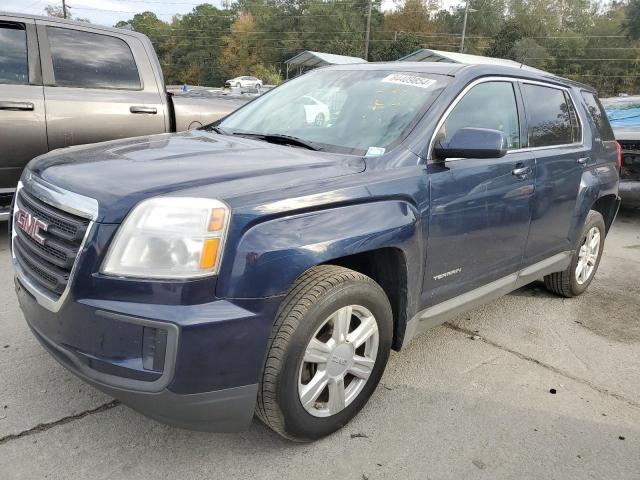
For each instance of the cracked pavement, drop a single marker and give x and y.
(469, 399)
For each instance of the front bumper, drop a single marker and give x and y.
(213, 358)
(629, 191)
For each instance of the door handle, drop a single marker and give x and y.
(28, 106)
(139, 109)
(521, 172)
(583, 160)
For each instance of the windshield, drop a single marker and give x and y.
(348, 111)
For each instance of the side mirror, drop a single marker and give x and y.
(473, 143)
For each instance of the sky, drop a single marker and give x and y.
(109, 12)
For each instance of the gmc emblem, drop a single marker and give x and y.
(31, 225)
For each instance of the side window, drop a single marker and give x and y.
(14, 68)
(90, 60)
(549, 116)
(487, 105)
(598, 115)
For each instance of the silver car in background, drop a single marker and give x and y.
(247, 82)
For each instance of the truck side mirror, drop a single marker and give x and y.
(473, 143)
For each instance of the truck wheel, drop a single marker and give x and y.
(327, 351)
(586, 258)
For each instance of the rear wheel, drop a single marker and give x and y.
(328, 349)
(576, 278)
(319, 120)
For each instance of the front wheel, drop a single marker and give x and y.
(328, 349)
(576, 278)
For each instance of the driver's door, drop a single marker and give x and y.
(480, 209)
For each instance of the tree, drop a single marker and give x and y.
(583, 40)
(403, 44)
(57, 12)
(241, 53)
(631, 25)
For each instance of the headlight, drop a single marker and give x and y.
(169, 238)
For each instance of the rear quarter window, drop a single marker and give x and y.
(598, 116)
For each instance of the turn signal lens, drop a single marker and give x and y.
(209, 253)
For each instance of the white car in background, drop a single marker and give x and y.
(316, 112)
(244, 82)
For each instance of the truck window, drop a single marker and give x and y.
(549, 116)
(90, 60)
(598, 115)
(14, 68)
(487, 105)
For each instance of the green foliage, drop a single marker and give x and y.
(584, 40)
(631, 24)
(269, 74)
(57, 12)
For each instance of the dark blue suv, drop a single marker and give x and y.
(269, 262)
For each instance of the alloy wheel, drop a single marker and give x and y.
(588, 255)
(338, 361)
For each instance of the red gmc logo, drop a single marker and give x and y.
(31, 225)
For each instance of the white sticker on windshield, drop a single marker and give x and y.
(408, 79)
(375, 152)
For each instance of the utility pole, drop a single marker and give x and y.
(464, 26)
(366, 41)
(64, 8)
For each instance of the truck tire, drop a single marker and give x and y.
(576, 278)
(328, 348)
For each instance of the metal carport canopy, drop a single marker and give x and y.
(428, 55)
(309, 59)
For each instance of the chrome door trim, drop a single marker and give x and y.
(478, 81)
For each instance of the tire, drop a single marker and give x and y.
(569, 283)
(319, 120)
(302, 318)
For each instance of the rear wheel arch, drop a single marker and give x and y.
(607, 207)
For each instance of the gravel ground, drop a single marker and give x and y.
(469, 399)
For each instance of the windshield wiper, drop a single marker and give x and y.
(217, 129)
(281, 139)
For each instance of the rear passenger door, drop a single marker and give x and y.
(23, 132)
(94, 88)
(554, 134)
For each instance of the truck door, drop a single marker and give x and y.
(555, 136)
(23, 132)
(98, 85)
(480, 208)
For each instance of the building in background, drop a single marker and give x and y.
(307, 60)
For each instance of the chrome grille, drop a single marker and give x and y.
(48, 263)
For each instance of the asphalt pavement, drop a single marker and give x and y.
(530, 386)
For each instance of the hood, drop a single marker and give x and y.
(121, 173)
